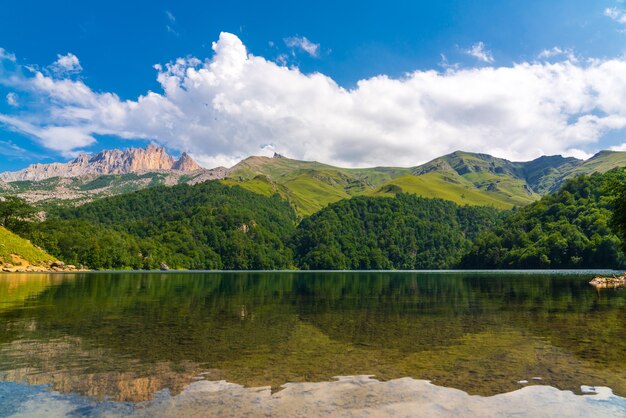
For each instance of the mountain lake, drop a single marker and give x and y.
(538, 343)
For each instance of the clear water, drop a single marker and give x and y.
(125, 338)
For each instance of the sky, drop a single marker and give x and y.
(350, 83)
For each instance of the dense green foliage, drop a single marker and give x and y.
(568, 229)
(618, 220)
(405, 232)
(206, 226)
(214, 226)
(14, 211)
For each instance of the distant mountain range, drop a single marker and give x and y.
(462, 177)
(133, 160)
(106, 173)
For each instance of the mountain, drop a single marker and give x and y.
(107, 173)
(132, 160)
(307, 185)
(461, 177)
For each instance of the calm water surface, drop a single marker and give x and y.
(124, 337)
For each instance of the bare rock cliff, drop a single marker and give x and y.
(186, 163)
(133, 160)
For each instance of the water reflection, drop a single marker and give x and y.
(127, 336)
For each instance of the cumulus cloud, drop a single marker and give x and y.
(303, 44)
(12, 99)
(616, 14)
(479, 52)
(66, 64)
(234, 104)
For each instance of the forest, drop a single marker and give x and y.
(215, 226)
(577, 227)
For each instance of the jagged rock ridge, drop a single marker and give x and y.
(132, 160)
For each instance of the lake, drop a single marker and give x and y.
(277, 343)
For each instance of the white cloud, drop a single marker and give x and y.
(64, 139)
(302, 43)
(444, 63)
(5, 55)
(558, 52)
(9, 149)
(616, 14)
(577, 153)
(170, 16)
(479, 52)
(66, 64)
(12, 99)
(621, 147)
(233, 104)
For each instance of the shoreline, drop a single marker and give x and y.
(74, 269)
(52, 266)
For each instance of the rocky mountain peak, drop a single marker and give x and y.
(186, 163)
(132, 160)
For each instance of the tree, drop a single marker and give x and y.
(618, 219)
(14, 212)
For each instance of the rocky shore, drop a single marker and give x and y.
(603, 282)
(51, 266)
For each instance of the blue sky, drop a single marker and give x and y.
(114, 46)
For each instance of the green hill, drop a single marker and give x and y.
(401, 232)
(20, 252)
(308, 185)
(461, 177)
(567, 229)
(205, 226)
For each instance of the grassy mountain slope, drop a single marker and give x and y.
(435, 185)
(15, 250)
(499, 179)
(308, 185)
(599, 163)
(461, 177)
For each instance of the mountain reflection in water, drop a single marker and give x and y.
(127, 336)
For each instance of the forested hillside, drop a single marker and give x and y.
(405, 232)
(567, 229)
(206, 226)
(214, 226)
